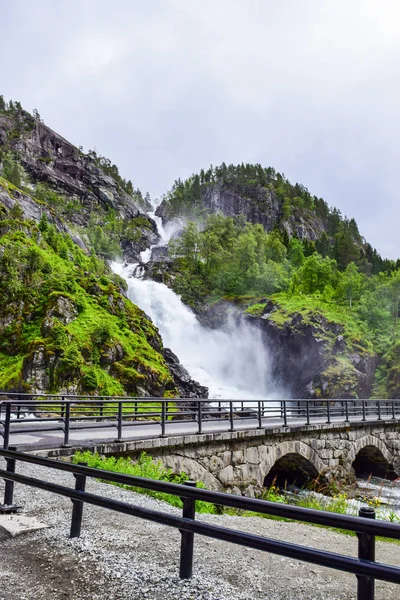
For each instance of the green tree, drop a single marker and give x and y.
(296, 254)
(274, 248)
(16, 211)
(350, 284)
(13, 171)
(393, 291)
(43, 223)
(316, 273)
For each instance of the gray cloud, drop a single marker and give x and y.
(165, 88)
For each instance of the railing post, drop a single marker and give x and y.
(7, 425)
(119, 423)
(231, 415)
(284, 414)
(393, 410)
(363, 410)
(163, 419)
(347, 410)
(379, 410)
(366, 551)
(259, 416)
(77, 508)
(328, 412)
(187, 538)
(199, 417)
(9, 485)
(308, 412)
(66, 443)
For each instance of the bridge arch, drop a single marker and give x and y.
(293, 462)
(369, 455)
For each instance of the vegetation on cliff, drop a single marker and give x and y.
(228, 257)
(85, 191)
(64, 323)
(255, 239)
(265, 196)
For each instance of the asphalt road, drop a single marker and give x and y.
(84, 433)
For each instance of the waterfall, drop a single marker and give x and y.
(233, 362)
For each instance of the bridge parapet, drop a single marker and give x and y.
(240, 461)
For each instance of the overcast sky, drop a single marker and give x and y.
(166, 87)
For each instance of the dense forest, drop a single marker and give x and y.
(336, 236)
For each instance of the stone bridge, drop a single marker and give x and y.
(245, 461)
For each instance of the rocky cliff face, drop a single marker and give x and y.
(311, 356)
(260, 205)
(186, 386)
(48, 158)
(256, 204)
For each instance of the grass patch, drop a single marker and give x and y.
(309, 307)
(146, 467)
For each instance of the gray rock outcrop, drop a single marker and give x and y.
(256, 204)
(49, 158)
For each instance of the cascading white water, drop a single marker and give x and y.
(165, 234)
(232, 362)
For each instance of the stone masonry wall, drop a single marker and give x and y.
(239, 461)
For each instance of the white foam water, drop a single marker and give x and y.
(233, 362)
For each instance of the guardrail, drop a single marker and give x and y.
(364, 567)
(30, 413)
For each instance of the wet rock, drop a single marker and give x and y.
(312, 360)
(159, 253)
(112, 354)
(188, 388)
(35, 372)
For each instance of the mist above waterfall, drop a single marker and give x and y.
(233, 362)
(165, 233)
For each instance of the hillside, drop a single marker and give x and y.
(326, 301)
(65, 322)
(264, 196)
(83, 192)
(250, 242)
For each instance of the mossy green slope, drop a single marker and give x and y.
(64, 321)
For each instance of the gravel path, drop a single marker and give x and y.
(124, 558)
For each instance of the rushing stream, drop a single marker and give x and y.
(232, 362)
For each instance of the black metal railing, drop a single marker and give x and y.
(366, 528)
(152, 417)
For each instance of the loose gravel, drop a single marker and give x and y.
(119, 557)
